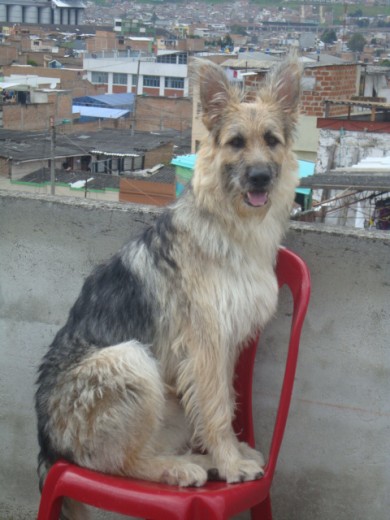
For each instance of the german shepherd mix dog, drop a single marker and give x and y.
(139, 381)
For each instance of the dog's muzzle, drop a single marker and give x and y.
(258, 183)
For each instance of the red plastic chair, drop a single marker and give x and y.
(216, 500)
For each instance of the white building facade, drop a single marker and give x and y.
(120, 71)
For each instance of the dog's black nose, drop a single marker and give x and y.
(259, 176)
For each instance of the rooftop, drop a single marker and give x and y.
(25, 146)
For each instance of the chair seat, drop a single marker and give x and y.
(153, 500)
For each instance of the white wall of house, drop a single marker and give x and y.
(376, 84)
(349, 148)
(306, 140)
(132, 66)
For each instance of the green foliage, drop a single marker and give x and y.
(329, 36)
(363, 22)
(356, 42)
(31, 62)
(226, 41)
(358, 13)
(238, 29)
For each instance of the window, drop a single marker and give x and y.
(183, 59)
(133, 163)
(167, 58)
(119, 79)
(151, 81)
(174, 83)
(99, 77)
(134, 80)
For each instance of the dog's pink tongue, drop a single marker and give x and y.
(257, 198)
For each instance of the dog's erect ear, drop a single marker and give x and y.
(284, 84)
(214, 90)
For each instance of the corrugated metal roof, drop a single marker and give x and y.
(69, 3)
(107, 100)
(99, 112)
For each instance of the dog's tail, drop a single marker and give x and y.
(71, 510)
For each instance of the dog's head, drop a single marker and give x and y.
(249, 136)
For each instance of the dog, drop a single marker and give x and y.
(139, 381)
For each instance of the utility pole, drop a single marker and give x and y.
(135, 99)
(52, 155)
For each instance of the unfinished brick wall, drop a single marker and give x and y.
(159, 113)
(332, 82)
(36, 116)
(162, 154)
(8, 54)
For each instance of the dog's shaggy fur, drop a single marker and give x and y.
(139, 380)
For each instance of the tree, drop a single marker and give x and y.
(356, 42)
(329, 36)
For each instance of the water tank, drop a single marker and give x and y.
(57, 16)
(72, 16)
(30, 14)
(3, 13)
(65, 16)
(45, 15)
(15, 13)
(80, 17)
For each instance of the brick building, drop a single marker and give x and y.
(329, 79)
(328, 82)
(161, 113)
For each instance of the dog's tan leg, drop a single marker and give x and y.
(206, 384)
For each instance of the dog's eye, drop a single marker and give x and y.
(237, 142)
(270, 139)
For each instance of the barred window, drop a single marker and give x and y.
(151, 81)
(99, 78)
(174, 83)
(167, 58)
(119, 79)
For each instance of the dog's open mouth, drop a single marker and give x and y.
(256, 198)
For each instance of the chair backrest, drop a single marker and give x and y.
(292, 271)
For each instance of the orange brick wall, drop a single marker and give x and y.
(331, 82)
(119, 89)
(171, 92)
(151, 91)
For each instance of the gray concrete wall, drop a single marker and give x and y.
(335, 460)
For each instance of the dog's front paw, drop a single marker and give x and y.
(184, 475)
(249, 453)
(243, 470)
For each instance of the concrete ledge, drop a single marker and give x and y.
(335, 460)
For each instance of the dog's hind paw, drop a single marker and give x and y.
(243, 471)
(184, 475)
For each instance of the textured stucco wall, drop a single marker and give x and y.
(335, 460)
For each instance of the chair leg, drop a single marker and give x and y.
(49, 509)
(262, 511)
